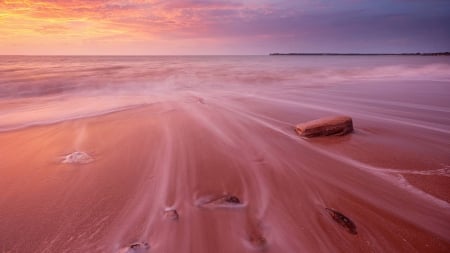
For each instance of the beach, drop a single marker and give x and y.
(199, 154)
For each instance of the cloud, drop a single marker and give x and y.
(263, 25)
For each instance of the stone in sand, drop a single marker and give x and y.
(337, 125)
(226, 200)
(78, 157)
(232, 199)
(257, 240)
(171, 214)
(342, 220)
(137, 247)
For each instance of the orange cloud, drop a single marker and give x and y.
(215, 26)
(73, 24)
(133, 26)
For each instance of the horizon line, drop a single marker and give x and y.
(134, 54)
(269, 54)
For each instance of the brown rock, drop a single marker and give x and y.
(226, 200)
(137, 247)
(337, 125)
(232, 199)
(342, 220)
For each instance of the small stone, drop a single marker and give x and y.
(225, 201)
(257, 240)
(338, 125)
(232, 199)
(171, 214)
(342, 220)
(137, 247)
(78, 157)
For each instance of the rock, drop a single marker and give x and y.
(232, 199)
(257, 240)
(171, 214)
(77, 157)
(337, 125)
(137, 247)
(226, 200)
(342, 220)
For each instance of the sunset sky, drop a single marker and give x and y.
(135, 27)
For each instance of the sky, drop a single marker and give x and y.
(218, 27)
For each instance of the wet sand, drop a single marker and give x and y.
(222, 170)
(200, 154)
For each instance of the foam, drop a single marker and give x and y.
(78, 157)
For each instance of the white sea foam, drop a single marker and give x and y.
(77, 157)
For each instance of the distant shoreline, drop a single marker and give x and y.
(360, 54)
